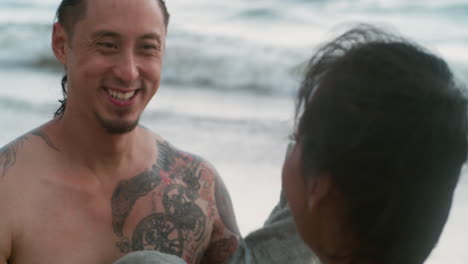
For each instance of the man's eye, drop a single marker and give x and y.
(150, 47)
(107, 45)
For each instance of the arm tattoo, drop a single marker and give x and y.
(224, 205)
(181, 221)
(9, 152)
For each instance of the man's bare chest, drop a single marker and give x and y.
(68, 225)
(57, 228)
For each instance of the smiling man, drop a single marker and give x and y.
(92, 185)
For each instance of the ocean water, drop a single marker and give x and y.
(231, 70)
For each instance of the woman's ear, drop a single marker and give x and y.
(59, 43)
(318, 189)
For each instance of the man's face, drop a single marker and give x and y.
(114, 60)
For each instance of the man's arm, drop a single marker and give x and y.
(7, 161)
(9, 155)
(6, 236)
(226, 235)
(5, 242)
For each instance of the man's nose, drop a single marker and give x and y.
(127, 68)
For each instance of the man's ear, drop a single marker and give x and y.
(318, 189)
(59, 43)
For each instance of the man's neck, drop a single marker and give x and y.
(93, 147)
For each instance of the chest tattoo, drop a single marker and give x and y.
(176, 176)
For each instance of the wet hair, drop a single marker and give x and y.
(68, 14)
(388, 121)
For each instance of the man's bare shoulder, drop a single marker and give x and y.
(9, 155)
(19, 155)
(7, 161)
(15, 163)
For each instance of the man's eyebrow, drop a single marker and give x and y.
(152, 36)
(104, 33)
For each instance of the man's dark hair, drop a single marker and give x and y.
(68, 14)
(388, 121)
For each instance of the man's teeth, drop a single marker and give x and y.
(121, 96)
